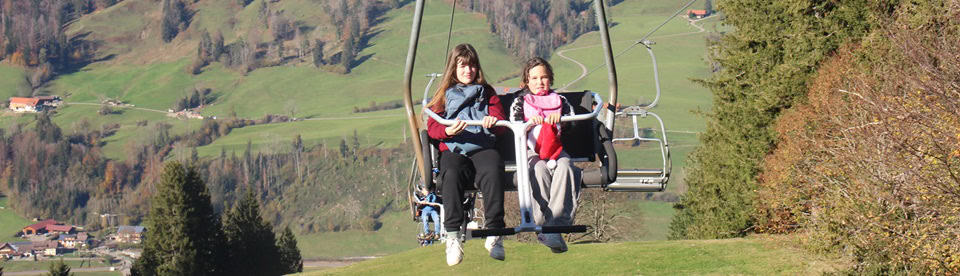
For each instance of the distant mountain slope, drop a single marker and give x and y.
(137, 68)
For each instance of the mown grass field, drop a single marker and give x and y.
(760, 255)
(398, 234)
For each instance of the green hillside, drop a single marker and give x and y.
(10, 222)
(139, 69)
(760, 255)
(152, 75)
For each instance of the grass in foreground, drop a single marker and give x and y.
(760, 255)
(15, 266)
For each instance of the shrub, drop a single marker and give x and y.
(764, 70)
(869, 166)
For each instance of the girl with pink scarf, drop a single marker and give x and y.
(554, 178)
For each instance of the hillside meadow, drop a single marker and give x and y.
(152, 76)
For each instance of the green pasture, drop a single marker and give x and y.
(297, 89)
(10, 266)
(11, 81)
(744, 256)
(656, 217)
(680, 50)
(326, 100)
(385, 128)
(397, 234)
(121, 27)
(10, 222)
(300, 90)
(681, 96)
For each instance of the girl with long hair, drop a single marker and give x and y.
(467, 152)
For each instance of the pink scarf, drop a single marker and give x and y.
(543, 103)
(547, 102)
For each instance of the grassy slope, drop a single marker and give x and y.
(656, 214)
(14, 266)
(11, 79)
(10, 222)
(315, 93)
(751, 256)
(398, 232)
(155, 78)
(151, 75)
(397, 235)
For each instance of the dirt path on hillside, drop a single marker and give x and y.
(583, 68)
(124, 107)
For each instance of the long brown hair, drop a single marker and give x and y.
(531, 63)
(463, 52)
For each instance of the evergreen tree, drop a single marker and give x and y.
(250, 239)
(194, 157)
(46, 129)
(318, 53)
(344, 150)
(347, 54)
(205, 48)
(765, 69)
(184, 236)
(217, 45)
(290, 259)
(195, 99)
(172, 16)
(58, 269)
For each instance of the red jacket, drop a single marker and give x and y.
(436, 130)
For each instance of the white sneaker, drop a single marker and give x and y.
(454, 250)
(553, 241)
(494, 245)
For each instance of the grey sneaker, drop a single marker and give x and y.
(553, 241)
(454, 250)
(494, 245)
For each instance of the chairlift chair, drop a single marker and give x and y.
(589, 140)
(645, 179)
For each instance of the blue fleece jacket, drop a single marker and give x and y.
(466, 102)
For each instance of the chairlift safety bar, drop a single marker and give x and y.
(524, 190)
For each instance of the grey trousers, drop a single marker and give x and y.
(555, 192)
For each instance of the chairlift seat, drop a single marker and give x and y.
(579, 138)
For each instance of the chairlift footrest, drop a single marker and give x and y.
(492, 232)
(564, 229)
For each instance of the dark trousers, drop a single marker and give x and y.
(458, 172)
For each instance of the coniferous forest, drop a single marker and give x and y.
(189, 238)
